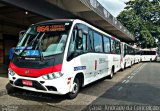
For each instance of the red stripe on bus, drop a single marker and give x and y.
(29, 72)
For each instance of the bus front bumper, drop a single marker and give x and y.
(55, 86)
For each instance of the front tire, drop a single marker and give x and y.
(150, 60)
(125, 65)
(130, 65)
(111, 75)
(75, 90)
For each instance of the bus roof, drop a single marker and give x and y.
(55, 20)
(147, 49)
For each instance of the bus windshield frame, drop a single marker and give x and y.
(44, 39)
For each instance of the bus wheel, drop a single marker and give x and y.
(125, 65)
(150, 60)
(112, 72)
(75, 90)
(130, 65)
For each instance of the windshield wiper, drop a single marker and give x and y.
(41, 56)
(29, 45)
(39, 45)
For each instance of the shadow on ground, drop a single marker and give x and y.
(33, 96)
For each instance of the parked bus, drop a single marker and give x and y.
(148, 55)
(128, 55)
(61, 56)
(137, 57)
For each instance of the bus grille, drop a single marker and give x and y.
(36, 84)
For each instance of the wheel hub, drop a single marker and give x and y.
(75, 88)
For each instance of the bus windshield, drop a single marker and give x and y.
(45, 39)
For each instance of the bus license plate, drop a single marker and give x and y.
(27, 83)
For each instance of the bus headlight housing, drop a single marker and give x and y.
(11, 72)
(51, 76)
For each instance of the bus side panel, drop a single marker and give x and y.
(128, 60)
(93, 65)
(146, 57)
(116, 62)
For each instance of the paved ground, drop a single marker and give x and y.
(3, 80)
(138, 85)
(142, 87)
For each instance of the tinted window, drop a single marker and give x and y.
(98, 42)
(125, 49)
(148, 53)
(137, 52)
(113, 50)
(117, 47)
(107, 47)
(84, 42)
(79, 41)
(153, 52)
(90, 41)
(129, 50)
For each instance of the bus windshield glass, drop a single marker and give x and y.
(45, 39)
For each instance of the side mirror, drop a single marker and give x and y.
(21, 33)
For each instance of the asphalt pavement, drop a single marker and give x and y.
(140, 88)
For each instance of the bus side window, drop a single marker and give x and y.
(72, 43)
(90, 40)
(117, 47)
(71, 49)
(129, 50)
(106, 41)
(125, 50)
(78, 42)
(113, 50)
(98, 42)
(84, 42)
(81, 41)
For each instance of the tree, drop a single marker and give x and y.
(142, 19)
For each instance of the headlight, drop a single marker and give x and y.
(11, 72)
(54, 75)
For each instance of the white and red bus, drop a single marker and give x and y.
(128, 55)
(60, 56)
(137, 57)
(148, 55)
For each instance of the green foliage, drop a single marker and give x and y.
(142, 18)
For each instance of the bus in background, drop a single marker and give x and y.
(60, 56)
(148, 55)
(137, 56)
(127, 59)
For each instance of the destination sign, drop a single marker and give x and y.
(50, 28)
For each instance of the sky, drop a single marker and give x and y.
(113, 6)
